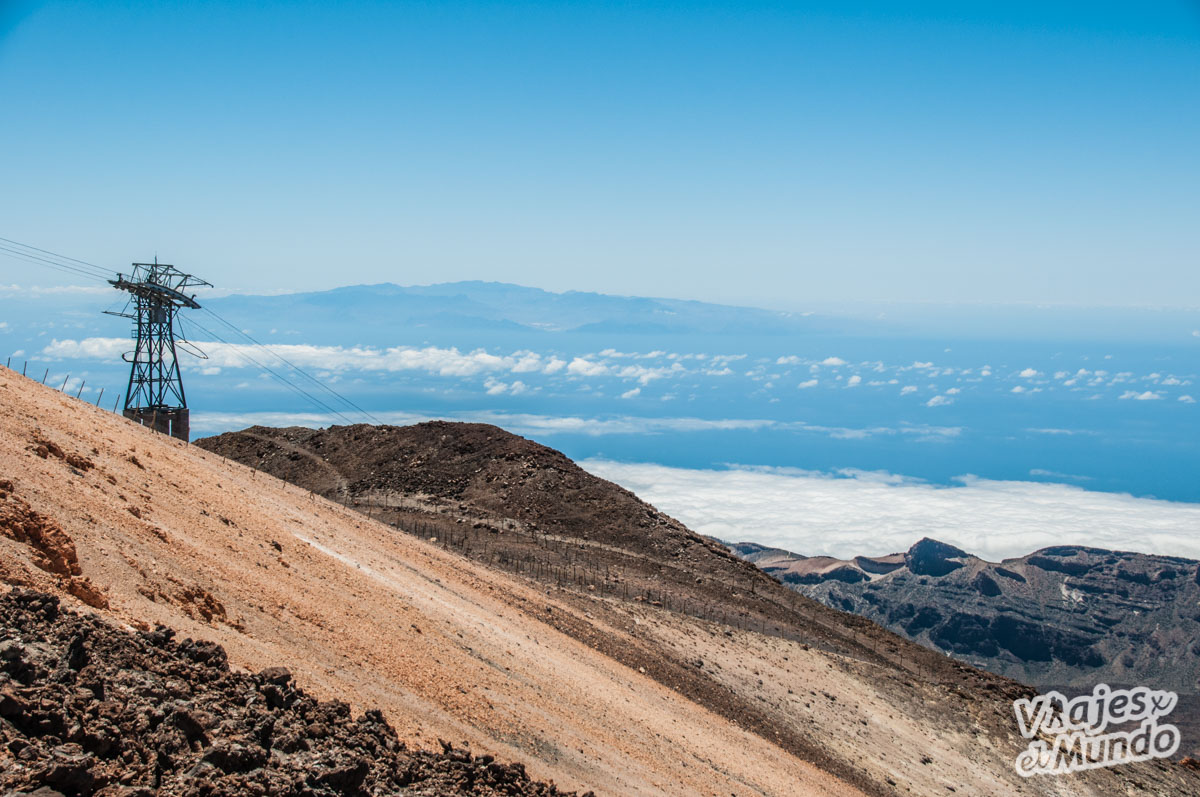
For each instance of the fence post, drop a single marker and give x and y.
(45, 375)
(99, 397)
(63, 389)
(79, 392)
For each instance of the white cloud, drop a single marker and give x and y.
(444, 362)
(833, 361)
(628, 394)
(1196, 333)
(582, 367)
(791, 359)
(1187, 399)
(496, 388)
(1136, 396)
(904, 391)
(645, 375)
(1066, 432)
(939, 401)
(338, 359)
(1018, 389)
(70, 385)
(527, 362)
(954, 391)
(1029, 373)
(821, 514)
(807, 384)
(853, 381)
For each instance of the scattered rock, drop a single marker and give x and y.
(280, 676)
(52, 549)
(141, 713)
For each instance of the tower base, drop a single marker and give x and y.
(173, 422)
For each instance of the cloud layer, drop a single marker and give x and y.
(661, 376)
(546, 425)
(856, 513)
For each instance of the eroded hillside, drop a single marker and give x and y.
(885, 714)
(587, 689)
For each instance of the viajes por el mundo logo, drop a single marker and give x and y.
(1102, 729)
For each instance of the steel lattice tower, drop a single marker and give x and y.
(155, 396)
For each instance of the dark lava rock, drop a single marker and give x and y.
(932, 558)
(86, 708)
(986, 585)
(280, 676)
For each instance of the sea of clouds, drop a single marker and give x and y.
(853, 513)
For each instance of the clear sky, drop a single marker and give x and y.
(761, 153)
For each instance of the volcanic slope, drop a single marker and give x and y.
(148, 530)
(886, 715)
(86, 708)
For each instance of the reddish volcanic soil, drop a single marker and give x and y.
(585, 685)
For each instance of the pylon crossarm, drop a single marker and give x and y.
(151, 291)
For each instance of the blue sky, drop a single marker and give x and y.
(768, 154)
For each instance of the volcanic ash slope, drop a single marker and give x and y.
(146, 530)
(151, 531)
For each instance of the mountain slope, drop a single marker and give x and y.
(885, 713)
(166, 533)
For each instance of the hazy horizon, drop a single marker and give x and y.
(748, 153)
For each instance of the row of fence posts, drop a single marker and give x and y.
(63, 389)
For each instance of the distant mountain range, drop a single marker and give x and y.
(1061, 616)
(504, 307)
(1065, 617)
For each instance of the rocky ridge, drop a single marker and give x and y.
(1064, 617)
